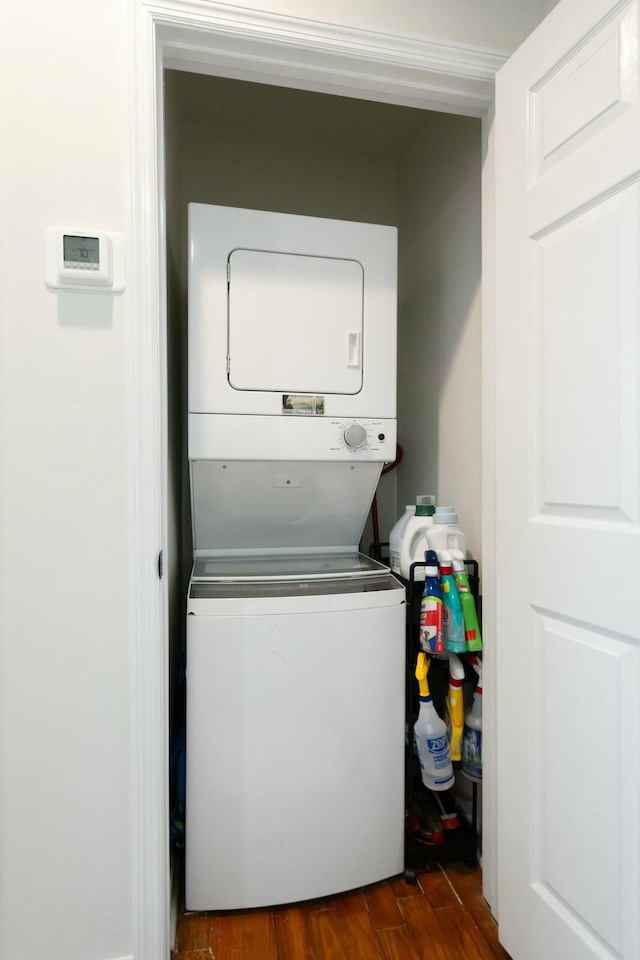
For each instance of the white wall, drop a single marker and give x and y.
(66, 806)
(499, 25)
(67, 854)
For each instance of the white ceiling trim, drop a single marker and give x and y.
(222, 40)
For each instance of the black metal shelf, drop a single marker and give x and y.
(460, 844)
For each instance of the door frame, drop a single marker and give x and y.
(205, 36)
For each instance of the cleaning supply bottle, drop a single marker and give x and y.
(455, 706)
(430, 732)
(472, 735)
(431, 636)
(472, 637)
(396, 536)
(414, 541)
(444, 532)
(452, 619)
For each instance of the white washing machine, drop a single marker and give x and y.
(295, 642)
(295, 729)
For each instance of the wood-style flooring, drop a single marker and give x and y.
(443, 917)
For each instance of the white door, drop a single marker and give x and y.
(568, 491)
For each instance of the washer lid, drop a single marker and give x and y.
(296, 566)
(259, 506)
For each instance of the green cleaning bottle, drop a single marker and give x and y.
(473, 639)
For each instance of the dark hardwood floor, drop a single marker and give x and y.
(443, 917)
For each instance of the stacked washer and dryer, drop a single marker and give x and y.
(295, 640)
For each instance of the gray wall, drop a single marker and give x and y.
(439, 362)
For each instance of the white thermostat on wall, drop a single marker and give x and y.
(85, 261)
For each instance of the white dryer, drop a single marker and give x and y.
(292, 337)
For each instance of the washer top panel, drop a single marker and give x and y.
(292, 566)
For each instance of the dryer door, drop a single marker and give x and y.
(295, 323)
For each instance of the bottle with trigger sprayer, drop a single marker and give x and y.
(452, 618)
(430, 732)
(472, 734)
(455, 706)
(472, 636)
(431, 629)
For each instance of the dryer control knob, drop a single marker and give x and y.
(355, 435)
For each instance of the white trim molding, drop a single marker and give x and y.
(225, 40)
(220, 39)
(150, 761)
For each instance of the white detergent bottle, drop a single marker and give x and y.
(396, 535)
(430, 732)
(444, 532)
(414, 541)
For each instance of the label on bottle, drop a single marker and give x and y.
(439, 749)
(394, 560)
(452, 630)
(431, 636)
(472, 752)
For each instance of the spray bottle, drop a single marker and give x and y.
(430, 732)
(455, 706)
(452, 619)
(431, 636)
(473, 639)
(472, 735)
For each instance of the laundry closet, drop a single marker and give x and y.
(242, 145)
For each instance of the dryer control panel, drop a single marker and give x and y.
(361, 436)
(291, 438)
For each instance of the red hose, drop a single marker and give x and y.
(374, 503)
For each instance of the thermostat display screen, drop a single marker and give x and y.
(81, 249)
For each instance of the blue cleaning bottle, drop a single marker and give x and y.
(452, 616)
(431, 635)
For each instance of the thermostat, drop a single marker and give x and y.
(86, 261)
